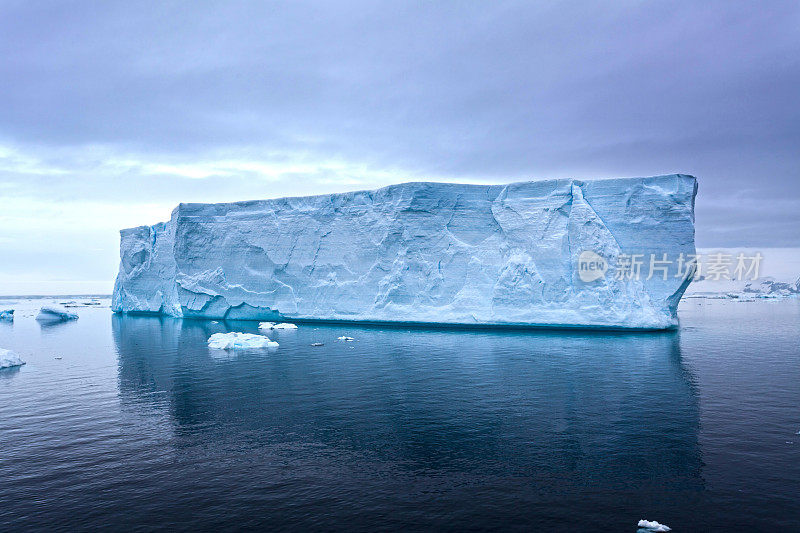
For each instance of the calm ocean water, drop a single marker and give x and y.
(139, 426)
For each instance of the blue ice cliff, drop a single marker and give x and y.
(540, 253)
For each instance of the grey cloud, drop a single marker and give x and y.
(469, 91)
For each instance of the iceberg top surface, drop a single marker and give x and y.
(419, 252)
(607, 185)
(387, 192)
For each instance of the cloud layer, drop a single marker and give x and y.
(114, 112)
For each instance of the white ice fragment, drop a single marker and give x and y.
(345, 339)
(653, 526)
(7, 314)
(273, 325)
(317, 344)
(55, 313)
(239, 341)
(9, 359)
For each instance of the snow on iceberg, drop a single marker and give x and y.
(420, 253)
(239, 341)
(9, 359)
(273, 325)
(653, 526)
(55, 313)
(7, 314)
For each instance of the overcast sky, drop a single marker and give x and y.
(111, 113)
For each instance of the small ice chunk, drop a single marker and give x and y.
(345, 339)
(54, 313)
(273, 325)
(239, 341)
(317, 344)
(653, 526)
(9, 359)
(7, 314)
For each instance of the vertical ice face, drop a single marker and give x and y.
(146, 279)
(424, 252)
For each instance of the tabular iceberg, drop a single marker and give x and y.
(543, 253)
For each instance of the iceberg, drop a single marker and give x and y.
(54, 313)
(647, 525)
(239, 341)
(7, 314)
(543, 253)
(9, 359)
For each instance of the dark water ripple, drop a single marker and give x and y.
(139, 426)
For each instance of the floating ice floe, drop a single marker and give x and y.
(55, 313)
(317, 344)
(7, 314)
(9, 359)
(653, 526)
(239, 341)
(345, 339)
(279, 325)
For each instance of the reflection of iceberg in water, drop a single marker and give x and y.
(548, 418)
